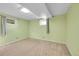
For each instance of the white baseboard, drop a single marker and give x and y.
(13, 41)
(47, 40)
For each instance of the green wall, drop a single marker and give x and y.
(19, 30)
(0, 25)
(73, 29)
(16, 31)
(1, 37)
(57, 30)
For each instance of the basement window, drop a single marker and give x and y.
(43, 22)
(10, 21)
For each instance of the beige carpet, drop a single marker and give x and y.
(33, 47)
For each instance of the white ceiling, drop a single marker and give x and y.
(37, 9)
(57, 8)
(13, 10)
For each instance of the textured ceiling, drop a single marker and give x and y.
(37, 9)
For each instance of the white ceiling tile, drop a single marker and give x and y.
(37, 9)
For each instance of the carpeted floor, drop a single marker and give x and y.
(33, 47)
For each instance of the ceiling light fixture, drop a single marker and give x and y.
(25, 10)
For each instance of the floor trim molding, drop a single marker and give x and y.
(47, 40)
(11, 42)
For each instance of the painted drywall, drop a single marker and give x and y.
(57, 30)
(1, 37)
(15, 32)
(73, 29)
(0, 26)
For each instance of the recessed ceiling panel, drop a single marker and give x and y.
(57, 8)
(13, 9)
(38, 9)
